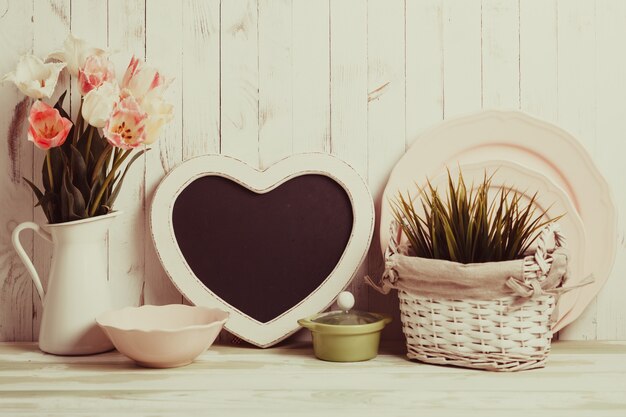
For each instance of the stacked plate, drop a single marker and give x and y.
(530, 156)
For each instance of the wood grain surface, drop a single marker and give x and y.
(581, 379)
(260, 79)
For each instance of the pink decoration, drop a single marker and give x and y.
(47, 128)
(140, 79)
(96, 71)
(126, 127)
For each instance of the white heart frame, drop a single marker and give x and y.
(240, 324)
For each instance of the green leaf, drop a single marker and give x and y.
(42, 200)
(99, 171)
(116, 189)
(82, 142)
(57, 163)
(35, 189)
(79, 173)
(72, 202)
(59, 104)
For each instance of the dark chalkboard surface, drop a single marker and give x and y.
(263, 253)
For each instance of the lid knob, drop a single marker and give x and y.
(345, 300)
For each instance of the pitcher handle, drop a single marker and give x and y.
(15, 238)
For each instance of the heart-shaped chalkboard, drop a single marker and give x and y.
(287, 240)
(269, 246)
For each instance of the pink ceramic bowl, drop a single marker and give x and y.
(163, 336)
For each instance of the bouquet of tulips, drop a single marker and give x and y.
(84, 169)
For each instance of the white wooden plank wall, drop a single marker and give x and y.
(386, 112)
(17, 314)
(348, 96)
(164, 50)
(262, 79)
(45, 38)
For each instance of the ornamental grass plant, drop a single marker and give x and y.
(467, 224)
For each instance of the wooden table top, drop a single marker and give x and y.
(581, 379)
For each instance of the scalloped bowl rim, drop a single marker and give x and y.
(105, 321)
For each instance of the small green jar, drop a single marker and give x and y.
(345, 335)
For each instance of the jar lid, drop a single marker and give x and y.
(345, 316)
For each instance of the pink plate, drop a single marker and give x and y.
(535, 145)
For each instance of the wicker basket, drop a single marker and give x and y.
(505, 334)
(477, 334)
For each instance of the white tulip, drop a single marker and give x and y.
(74, 53)
(159, 113)
(99, 103)
(141, 79)
(34, 78)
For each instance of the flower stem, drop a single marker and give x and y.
(79, 123)
(49, 164)
(102, 162)
(91, 128)
(116, 164)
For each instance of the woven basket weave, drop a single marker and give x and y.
(483, 334)
(477, 334)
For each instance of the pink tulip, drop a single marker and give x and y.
(96, 71)
(140, 79)
(126, 127)
(47, 128)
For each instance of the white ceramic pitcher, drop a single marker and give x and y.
(77, 290)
